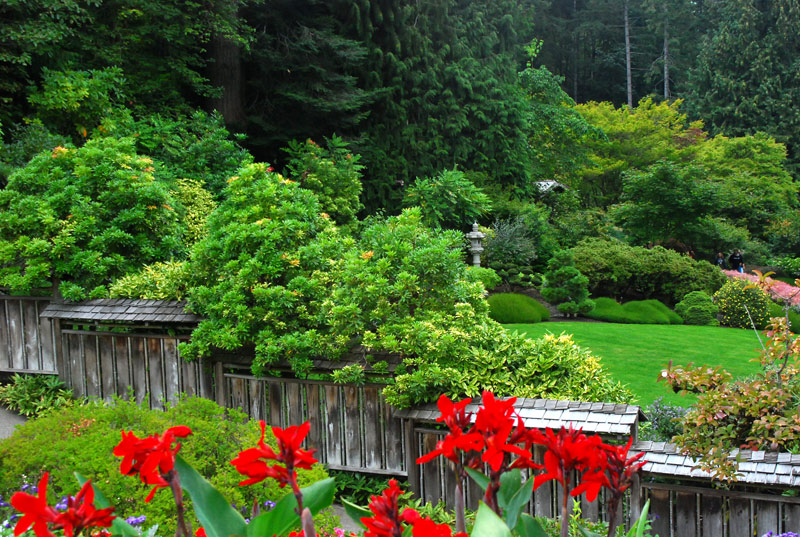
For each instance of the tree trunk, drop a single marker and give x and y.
(666, 57)
(628, 81)
(575, 51)
(225, 72)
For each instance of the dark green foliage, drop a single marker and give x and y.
(32, 395)
(757, 88)
(565, 286)
(301, 74)
(665, 203)
(509, 308)
(27, 141)
(664, 421)
(83, 217)
(445, 74)
(193, 146)
(448, 200)
(697, 308)
(742, 304)
(81, 439)
(332, 173)
(632, 272)
(634, 312)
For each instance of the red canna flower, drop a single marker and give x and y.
(153, 457)
(495, 421)
(569, 451)
(253, 462)
(386, 521)
(619, 472)
(457, 420)
(425, 527)
(200, 532)
(35, 511)
(81, 513)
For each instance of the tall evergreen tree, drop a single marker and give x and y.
(747, 77)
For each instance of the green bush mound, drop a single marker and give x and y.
(81, 439)
(739, 297)
(516, 308)
(698, 308)
(634, 312)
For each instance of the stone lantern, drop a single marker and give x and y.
(476, 244)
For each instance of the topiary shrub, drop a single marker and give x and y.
(698, 308)
(634, 312)
(509, 308)
(81, 439)
(732, 299)
(565, 286)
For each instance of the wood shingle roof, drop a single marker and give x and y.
(106, 310)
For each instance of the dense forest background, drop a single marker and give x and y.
(508, 92)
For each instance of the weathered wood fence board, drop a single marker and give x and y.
(352, 428)
(146, 366)
(681, 511)
(27, 343)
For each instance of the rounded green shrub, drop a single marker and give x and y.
(509, 308)
(698, 308)
(634, 312)
(738, 294)
(81, 439)
(488, 277)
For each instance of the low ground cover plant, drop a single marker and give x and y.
(80, 439)
(633, 312)
(516, 308)
(32, 395)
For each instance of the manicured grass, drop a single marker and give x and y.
(636, 354)
(516, 308)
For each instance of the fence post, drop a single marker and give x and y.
(219, 383)
(411, 458)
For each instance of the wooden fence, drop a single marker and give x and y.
(684, 511)
(352, 427)
(147, 366)
(27, 342)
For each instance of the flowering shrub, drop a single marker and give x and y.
(778, 290)
(495, 440)
(742, 303)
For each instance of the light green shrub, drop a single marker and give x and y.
(698, 308)
(159, 281)
(509, 308)
(738, 297)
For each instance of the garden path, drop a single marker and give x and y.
(8, 420)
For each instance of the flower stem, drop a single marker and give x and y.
(183, 529)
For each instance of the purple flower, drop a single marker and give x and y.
(136, 520)
(269, 504)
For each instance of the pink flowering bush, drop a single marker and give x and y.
(778, 290)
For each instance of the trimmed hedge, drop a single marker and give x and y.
(509, 308)
(634, 312)
(698, 308)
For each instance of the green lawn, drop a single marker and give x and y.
(635, 353)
